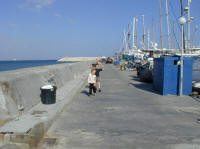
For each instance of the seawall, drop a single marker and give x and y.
(23, 86)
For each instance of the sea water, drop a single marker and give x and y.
(13, 65)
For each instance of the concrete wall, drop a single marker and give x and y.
(23, 86)
(78, 59)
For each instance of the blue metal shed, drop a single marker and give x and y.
(166, 75)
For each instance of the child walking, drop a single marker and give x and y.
(92, 82)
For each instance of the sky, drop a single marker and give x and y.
(52, 29)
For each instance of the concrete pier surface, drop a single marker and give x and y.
(127, 114)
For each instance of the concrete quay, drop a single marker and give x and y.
(27, 129)
(22, 87)
(127, 114)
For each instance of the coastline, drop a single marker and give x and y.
(21, 64)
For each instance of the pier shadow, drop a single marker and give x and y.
(134, 78)
(146, 86)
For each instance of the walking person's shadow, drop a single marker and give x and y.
(85, 91)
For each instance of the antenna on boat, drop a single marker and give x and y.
(161, 32)
(168, 30)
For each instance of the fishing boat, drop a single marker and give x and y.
(196, 86)
(147, 49)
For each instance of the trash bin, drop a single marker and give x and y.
(48, 94)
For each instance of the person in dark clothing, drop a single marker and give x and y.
(98, 70)
(92, 88)
(93, 66)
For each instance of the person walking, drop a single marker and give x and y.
(98, 70)
(92, 82)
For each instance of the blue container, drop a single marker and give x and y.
(187, 75)
(166, 75)
(117, 62)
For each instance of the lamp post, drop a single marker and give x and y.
(182, 21)
(188, 9)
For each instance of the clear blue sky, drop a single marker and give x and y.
(51, 29)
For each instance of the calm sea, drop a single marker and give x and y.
(13, 65)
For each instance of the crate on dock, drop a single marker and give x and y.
(166, 75)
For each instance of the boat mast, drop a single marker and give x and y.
(173, 31)
(136, 33)
(182, 14)
(176, 44)
(143, 32)
(189, 20)
(168, 30)
(148, 34)
(124, 41)
(194, 37)
(153, 32)
(161, 32)
(129, 35)
(133, 33)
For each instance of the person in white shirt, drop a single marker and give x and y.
(92, 82)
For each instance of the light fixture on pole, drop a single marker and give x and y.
(182, 21)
